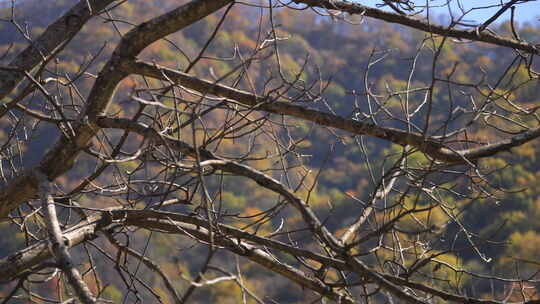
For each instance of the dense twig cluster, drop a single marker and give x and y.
(161, 162)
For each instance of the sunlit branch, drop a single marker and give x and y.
(21, 262)
(58, 246)
(209, 159)
(62, 156)
(57, 35)
(355, 8)
(432, 147)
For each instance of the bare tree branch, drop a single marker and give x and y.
(55, 37)
(57, 245)
(432, 147)
(428, 27)
(64, 152)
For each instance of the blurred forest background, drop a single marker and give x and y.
(506, 224)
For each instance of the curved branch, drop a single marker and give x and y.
(149, 263)
(267, 182)
(359, 9)
(430, 146)
(246, 250)
(66, 149)
(53, 38)
(500, 146)
(58, 246)
(233, 167)
(22, 262)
